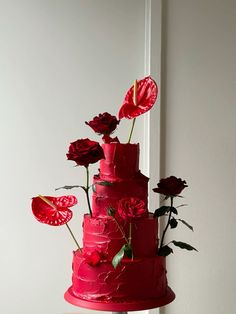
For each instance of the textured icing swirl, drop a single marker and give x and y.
(109, 196)
(104, 235)
(121, 161)
(121, 168)
(139, 278)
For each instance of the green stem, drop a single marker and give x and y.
(130, 233)
(168, 222)
(130, 238)
(121, 230)
(87, 191)
(131, 131)
(73, 237)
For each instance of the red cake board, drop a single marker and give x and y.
(120, 306)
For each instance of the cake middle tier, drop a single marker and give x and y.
(107, 194)
(105, 235)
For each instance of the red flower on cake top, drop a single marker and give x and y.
(139, 101)
(131, 207)
(170, 186)
(104, 123)
(53, 211)
(85, 152)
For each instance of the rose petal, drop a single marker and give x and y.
(146, 96)
(85, 152)
(131, 207)
(170, 186)
(104, 123)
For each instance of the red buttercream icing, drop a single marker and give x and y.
(121, 169)
(121, 161)
(133, 279)
(136, 284)
(104, 235)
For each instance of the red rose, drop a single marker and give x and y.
(85, 152)
(93, 258)
(146, 96)
(53, 211)
(131, 207)
(170, 186)
(104, 123)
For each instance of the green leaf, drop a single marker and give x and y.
(161, 211)
(165, 251)
(94, 187)
(186, 224)
(69, 187)
(111, 211)
(184, 245)
(105, 183)
(128, 251)
(173, 223)
(174, 210)
(118, 257)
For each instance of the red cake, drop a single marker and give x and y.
(121, 266)
(139, 282)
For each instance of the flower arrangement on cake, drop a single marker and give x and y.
(121, 266)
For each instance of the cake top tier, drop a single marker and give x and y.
(121, 161)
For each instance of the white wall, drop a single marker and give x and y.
(61, 63)
(199, 145)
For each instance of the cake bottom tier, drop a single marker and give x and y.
(134, 285)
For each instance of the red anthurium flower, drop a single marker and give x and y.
(131, 207)
(53, 211)
(170, 186)
(146, 96)
(93, 258)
